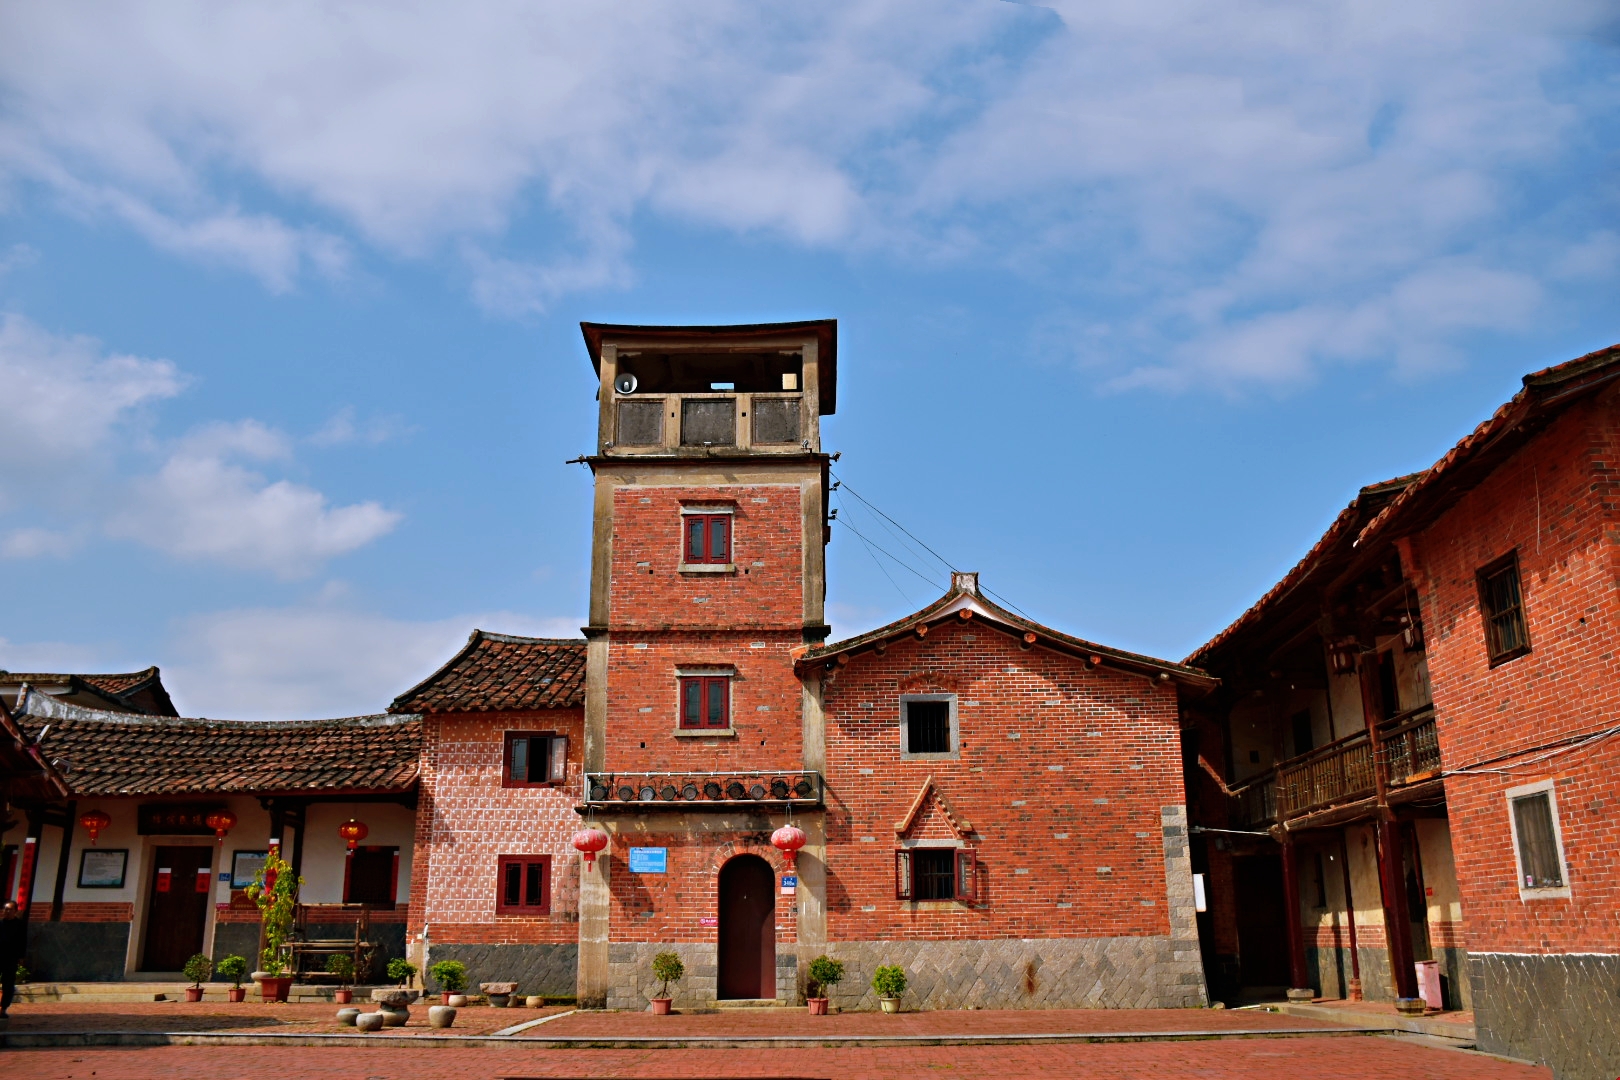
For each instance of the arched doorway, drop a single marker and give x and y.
(747, 929)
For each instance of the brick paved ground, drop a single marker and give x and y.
(1360, 1057)
(292, 1017)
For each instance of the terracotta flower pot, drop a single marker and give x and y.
(275, 987)
(343, 997)
(660, 1006)
(194, 993)
(236, 993)
(818, 1006)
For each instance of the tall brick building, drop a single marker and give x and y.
(993, 804)
(1415, 749)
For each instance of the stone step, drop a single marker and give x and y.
(167, 991)
(749, 1003)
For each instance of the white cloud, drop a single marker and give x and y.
(65, 396)
(316, 661)
(1214, 173)
(32, 543)
(201, 504)
(344, 428)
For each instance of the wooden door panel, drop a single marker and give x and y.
(747, 929)
(176, 916)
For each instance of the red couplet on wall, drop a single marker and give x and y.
(204, 877)
(163, 876)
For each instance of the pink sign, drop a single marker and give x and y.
(710, 921)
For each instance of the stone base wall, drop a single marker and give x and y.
(1326, 967)
(1052, 973)
(1561, 1010)
(548, 970)
(76, 951)
(632, 986)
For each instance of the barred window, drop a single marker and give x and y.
(928, 725)
(1502, 604)
(936, 874)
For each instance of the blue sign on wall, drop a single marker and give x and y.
(649, 860)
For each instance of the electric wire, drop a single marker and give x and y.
(873, 554)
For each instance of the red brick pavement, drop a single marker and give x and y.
(285, 1019)
(1361, 1057)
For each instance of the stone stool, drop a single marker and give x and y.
(441, 1016)
(498, 993)
(394, 1005)
(346, 1016)
(369, 1021)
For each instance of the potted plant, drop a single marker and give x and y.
(341, 965)
(402, 971)
(824, 972)
(451, 975)
(890, 982)
(198, 968)
(275, 891)
(667, 968)
(234, 968)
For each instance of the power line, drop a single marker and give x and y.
(873, 555)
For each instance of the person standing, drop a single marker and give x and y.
(13, 939)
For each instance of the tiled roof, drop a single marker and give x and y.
(500, 673)
(122, 689)
(968, 598)
(111, 753)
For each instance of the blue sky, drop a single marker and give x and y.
(1132, 297)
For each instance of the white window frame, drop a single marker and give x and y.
(1547, 787)
(904, 725)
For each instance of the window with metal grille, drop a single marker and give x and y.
(525, 885)
(705, 701)
(1539, 860)
(925, 724)
(708, 538)
(935, 874)
(534, 758)
(1502, 605)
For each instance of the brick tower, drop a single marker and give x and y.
(708, 571)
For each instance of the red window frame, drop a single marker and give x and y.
(965, 865)
(553, 756)
(532, 883)
(711, 696)
(706, 538)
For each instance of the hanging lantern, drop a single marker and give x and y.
(94, 821)
(788, 840)
(353, 831)
(589, 842)
(222, 822)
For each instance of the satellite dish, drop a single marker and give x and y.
(625, 384)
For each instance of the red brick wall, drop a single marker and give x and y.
(1555, 502)
(670, 906)
(466, 820)
(642, 702)
(1096, 755)
(766, 590)
(85, 912)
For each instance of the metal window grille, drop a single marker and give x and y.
(1505, 630)
(928, 727)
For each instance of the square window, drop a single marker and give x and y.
(534, 759)
(707, 538)
(935, 873)
(928, 726)
(1537, 844)
(371, 876)
(524, 886)
(705, 701)
(1501, 605)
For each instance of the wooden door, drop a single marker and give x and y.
(1261, 916)
(177, 906)
(747, 929)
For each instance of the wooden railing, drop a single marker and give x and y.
(1341, 771)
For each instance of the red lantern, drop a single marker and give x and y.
(222, 822)
(353, 831)
(589, 842)
(94, 821)
(788, 840)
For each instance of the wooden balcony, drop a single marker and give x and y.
(701, 791)
(1340, 772)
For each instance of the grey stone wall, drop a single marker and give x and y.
(632, 986)
(1050, 973)
(76, 951)
(239, 939)
(549, 970)
(1560, 1010)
